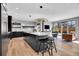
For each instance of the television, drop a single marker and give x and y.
(47, 27)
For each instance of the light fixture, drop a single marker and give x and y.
(41, 6)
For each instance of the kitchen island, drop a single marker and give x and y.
(31, 38)
(33, 41)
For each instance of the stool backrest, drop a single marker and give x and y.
(55, 35)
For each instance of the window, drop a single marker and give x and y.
(68, 26)
(71, 25)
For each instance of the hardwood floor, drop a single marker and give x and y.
(18, 47)
(67, 48)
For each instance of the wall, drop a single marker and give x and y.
(4, 25)
(4, 22)
(28, 26)
(77, 28)
(4, 30)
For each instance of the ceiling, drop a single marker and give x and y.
(51, 11)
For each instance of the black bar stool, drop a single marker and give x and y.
(52, 44)
(47, 44)
(54, 37)
(44, 46)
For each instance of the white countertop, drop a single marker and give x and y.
(40, 33)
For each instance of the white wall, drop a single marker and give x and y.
(77, 28)
(29, 25)
(4, 22)
(4, 26)
(4, 30)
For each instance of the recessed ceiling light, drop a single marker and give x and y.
(17, 8)
(41, 6)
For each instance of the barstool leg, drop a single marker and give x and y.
(55, 47)
(39, 46)
(43, 50)
(42, 53)
(51, 49)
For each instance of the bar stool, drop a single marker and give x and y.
(52, 44)
(48, 44)
(44, 46)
